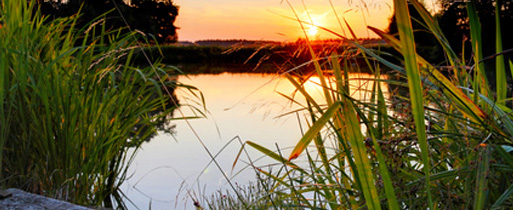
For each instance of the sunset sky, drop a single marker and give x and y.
(267, 19)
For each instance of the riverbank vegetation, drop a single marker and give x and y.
(217, 56)
(77, 103)
(73, 111)
(444, 144)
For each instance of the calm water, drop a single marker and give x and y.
(172, 168)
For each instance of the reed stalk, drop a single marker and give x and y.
(74, 110)
(438, 141)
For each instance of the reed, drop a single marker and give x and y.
(74, 110)
(441, 142)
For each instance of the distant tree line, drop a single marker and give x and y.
(154, 18)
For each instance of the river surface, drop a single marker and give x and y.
(173, 169)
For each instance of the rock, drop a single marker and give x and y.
(16, 199)
(4, 194)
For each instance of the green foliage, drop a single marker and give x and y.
(414, 85)
(441, 140)
(425, 43)
(73, 111)
(154, 18)
(256, 196)
(454, 22)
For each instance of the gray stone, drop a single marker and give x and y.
(21, 200)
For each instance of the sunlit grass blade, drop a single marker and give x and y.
(314, 59)
(480, 79)
(387, 181)
(435, 29)
(461, 100)
(365, 174)
(314, 130)
(499, 60)
(415, 86)
(355, 40)
(501, 112)
(343, 89)
(271, 154)
(307, 95)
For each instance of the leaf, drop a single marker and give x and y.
(500, 66)
(480, 81)
(415, 87)
(483, 169)
(507, 148)
(503, 197)
(365, 174)
(270, 153)
(314, 130)
(461, 100)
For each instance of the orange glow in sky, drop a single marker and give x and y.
(271, 19)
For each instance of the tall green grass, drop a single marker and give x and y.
(73, 110)
(439, 141)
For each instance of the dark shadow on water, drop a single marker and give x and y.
(163, 115)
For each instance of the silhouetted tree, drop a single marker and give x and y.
(426, 43)
(153, 18)
(162, 14)
(453, 20)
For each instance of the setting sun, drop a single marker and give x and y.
(313, 22)
(273, 20)
(313, 31)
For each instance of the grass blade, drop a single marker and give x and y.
(481, 81)
(314, 130)
(505, 195)
(499, 60)
(483, 169)
(414, 84)
(457, 96)
(365, 174)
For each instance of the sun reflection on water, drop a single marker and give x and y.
(245, 106)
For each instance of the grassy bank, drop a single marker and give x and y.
(72, 106)
(250, 57)
(444, 144)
